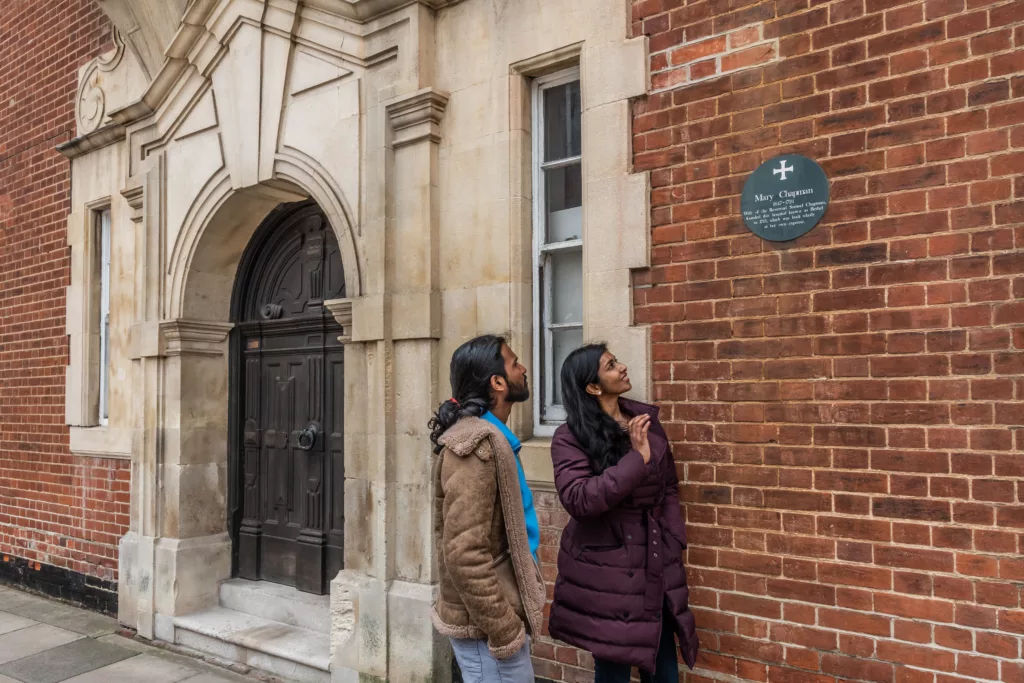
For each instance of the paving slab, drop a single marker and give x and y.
(64, 662)
(138, 668)
(12, 622)
(87, 623)
(40, 609)
(30, 641)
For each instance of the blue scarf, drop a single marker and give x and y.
(532, 525)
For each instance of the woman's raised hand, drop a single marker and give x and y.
(638, 427)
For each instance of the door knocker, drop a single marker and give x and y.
(307, 437)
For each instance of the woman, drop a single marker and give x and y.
(621, 589)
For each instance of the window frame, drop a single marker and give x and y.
(102, 231)
(544, 423)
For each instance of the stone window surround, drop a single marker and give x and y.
(88, 437)
(616, 228)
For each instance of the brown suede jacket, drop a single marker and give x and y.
(490, 585)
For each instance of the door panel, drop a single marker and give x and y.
(292, 408)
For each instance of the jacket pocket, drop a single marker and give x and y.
(508, 585)
(613, 555)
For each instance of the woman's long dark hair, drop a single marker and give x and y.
(601, 437)
(473, 365)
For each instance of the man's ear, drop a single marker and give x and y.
(498, 383)
(593, 390)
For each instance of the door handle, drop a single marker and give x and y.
(307, 437)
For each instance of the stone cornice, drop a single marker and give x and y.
(417, 117)
(90, 142)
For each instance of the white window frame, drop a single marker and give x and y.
(103, 249)
(546, 418)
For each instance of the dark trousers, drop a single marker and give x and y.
(666, 665)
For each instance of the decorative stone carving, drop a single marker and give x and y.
(417, 117)
(341, 309)
(194, 337)
(90, 106)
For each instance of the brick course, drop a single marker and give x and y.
(845, 408)
(55, 508)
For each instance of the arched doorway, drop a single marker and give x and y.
(288, 403)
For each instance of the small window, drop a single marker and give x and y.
(102, 318)
(558, 235)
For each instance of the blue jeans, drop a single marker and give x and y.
(478, 665)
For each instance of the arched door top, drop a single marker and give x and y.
(291, 266)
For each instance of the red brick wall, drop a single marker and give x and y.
(847, 408)
(552, 660)
(55, 508)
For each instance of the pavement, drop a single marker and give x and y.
(43, 641)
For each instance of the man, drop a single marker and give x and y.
(491, 593)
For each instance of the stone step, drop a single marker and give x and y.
(278, 603)
(284, 650)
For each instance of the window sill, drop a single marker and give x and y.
(101, 442)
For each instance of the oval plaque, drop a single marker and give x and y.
(784, 198)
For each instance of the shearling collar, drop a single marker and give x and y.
(464, 436)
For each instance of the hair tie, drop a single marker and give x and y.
(455, 402)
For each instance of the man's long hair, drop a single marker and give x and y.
(473, 365)
(601, 437)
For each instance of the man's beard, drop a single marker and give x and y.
(518, 393)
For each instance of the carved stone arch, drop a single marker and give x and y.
(292, 165)
(208, 249)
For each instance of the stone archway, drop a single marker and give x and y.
(179, 548)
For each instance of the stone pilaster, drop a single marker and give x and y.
(177, 549)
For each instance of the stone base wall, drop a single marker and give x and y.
(846, 408)
(57, 510)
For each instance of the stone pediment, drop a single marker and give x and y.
(147, 27)
(167, 37)
(150, 27)
(367, 10)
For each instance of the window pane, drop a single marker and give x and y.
(563, 193)
(562, 121)
(566, 287)
(564, 342)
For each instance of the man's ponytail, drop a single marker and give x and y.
(473, 365)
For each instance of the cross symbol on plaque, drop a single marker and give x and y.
(783, 169)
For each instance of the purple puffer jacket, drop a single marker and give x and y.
(620, 558)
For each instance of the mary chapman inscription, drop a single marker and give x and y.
(784, 198)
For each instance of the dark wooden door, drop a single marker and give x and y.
(291, 402)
